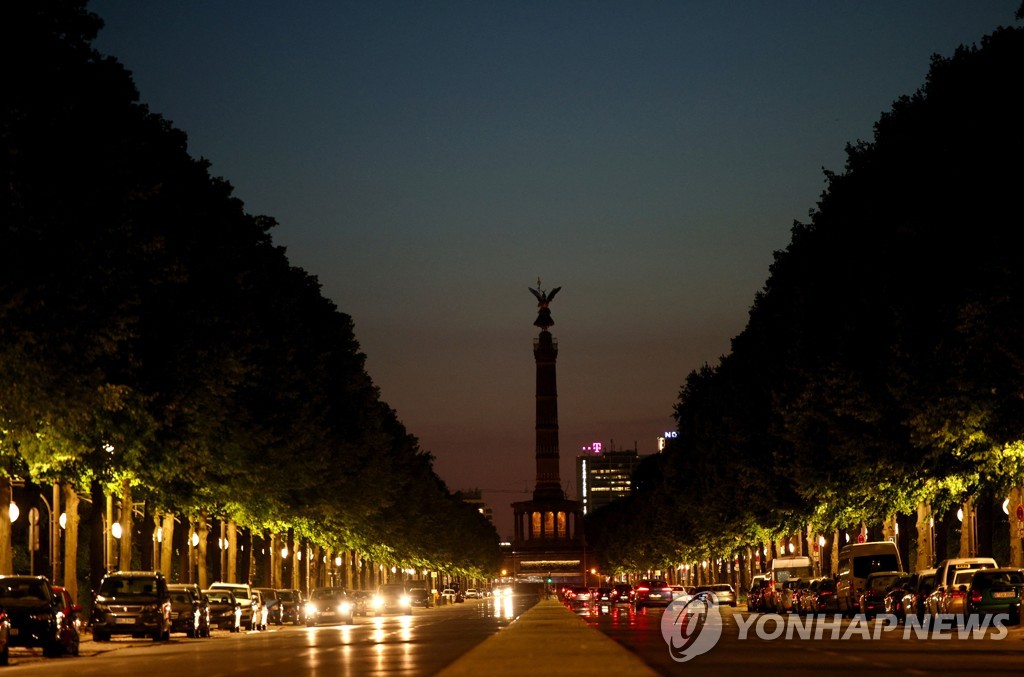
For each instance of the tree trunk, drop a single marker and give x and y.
(201, 563)
(231, 575)
(6, 547)
(167, 544)
(125, 554)
(925, 543)
(147, 538)
(97, 537)
(1016, 528)
(967, 530)
(835, 551)
(71, 539)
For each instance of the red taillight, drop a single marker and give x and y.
(975, 596)
(643, 589)
(668, 590)
(959, 594)
(824, 594)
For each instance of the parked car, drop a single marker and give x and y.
(943, 596)
(472, 593)
(329, 605)
(448, 596)
(392, 597)
(918, 589)
(755, 595)
(996, 591)
(225, 611)
(34, 613)
(273, 604)
(892, 601)
(190, 613)
(71, 625)
(292, 606)
(785, 600)
(825, 600)
(950, 599)
(132, 603)
(244, 594)
(857, 561)
(872, 600)
(652, 592)
(806, 596)
(421, 596)
(5, 636)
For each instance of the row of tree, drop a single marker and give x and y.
(881, 371)
(156, 344)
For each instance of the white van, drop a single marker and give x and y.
(856, 562)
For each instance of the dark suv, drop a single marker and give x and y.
(133, 603)
(652, 592)
(34, 611)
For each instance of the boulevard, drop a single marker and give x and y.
(420, 644)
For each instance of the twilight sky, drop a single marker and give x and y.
(429, 160)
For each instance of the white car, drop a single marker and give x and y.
(448, 595)
(471, 593)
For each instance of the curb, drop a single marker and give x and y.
(547, 640)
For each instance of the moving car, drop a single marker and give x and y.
(622, 593)
(132, 603)
(652, 592)
(34, 613)
(225, 611)
(392, 597)
(724, 593)
(329, 605)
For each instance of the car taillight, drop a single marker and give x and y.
(824, 594)
(959, 594)
(975, 596)
(643, 589)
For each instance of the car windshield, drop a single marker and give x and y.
(26, 589)
(326, 593)
(985, 580)
(219, 597)
(882, 583)
(128, 586)
(181, 598)
(286, 596)
(963, 577)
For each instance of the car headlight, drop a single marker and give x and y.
(404, 600)
(344, 608)
(378, 602)
(310, 609)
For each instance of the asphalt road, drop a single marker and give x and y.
(892, 653)
(420, 644)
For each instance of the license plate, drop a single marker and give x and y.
(1007, 593)
(655, 596)
(125, 621)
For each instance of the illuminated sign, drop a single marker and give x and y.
(595, 448)
(671, 435)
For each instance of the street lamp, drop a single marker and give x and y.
(14, 512)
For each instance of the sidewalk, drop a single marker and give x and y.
(547, 640)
